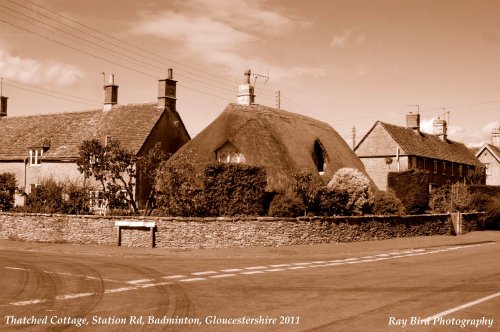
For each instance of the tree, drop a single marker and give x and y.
(477, 175)
(356, 185)
(149, 166)
(111, 165)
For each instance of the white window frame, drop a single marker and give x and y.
(35, 158)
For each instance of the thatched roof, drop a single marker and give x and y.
(62, 133)
(281, 141)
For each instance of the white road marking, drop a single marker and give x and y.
(252, 272)
(203, 273)
(193, 279)
(256, 268)
(64, 274)
(301, 263)
(231, 270)
(463, 306)
(382, 255)
(16, 268)
(139, 281)
(29, 302)
(73, 296)
(319, 262)
(354, 262)
(280, 265)
(223, 275)
(275, 270)
(297, 267)
(368, 257)
(177, 276)
(351, 259)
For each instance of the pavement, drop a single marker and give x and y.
(437, 283)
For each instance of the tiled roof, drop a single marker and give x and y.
(130, 124)
(430, 146)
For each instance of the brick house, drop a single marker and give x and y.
(489, 156)
(36, 147)
(282, 142)
(390, 148)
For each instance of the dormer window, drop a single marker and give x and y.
(319, 157)
(35, 157)
(228, 153)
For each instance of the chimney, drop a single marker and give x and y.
(413, 122)
(3, 106)
(110, 94)
(246, 94)
(439, 129)
(167, 92)
(495, 137)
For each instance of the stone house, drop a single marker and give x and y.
(280, 141)
(390, 148)
(37, 147)
(489, 156)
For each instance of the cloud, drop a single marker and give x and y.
(224, 33)
(348, 36)
(28, 70)
(460, 134)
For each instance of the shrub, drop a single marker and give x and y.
(383, 203)
(45, 198)
(455, 198)
(287, 205)
(333, 202)
(234, 189)
(477, 175)
(492, 210)
(412, 188)
(76, 198)
(178, 193)
(357, 187)
(7, 189)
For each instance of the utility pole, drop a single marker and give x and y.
(278, 99)
(353, 137)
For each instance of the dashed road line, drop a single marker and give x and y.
(280, 265)
(193, 279)
(177, 276)
(256, 268)
(223, 275)
(139, 281)
(252, 272)
(203, 273)
(231, 270)
(274, 270)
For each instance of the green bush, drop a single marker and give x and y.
(386, 203)
(286, 205)
(356, 185)
(234, 189)
(412, 188)
(7, 190)
(492, 211)
(456, 198)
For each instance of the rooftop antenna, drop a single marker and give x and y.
(417, 106)
(445, 112)
(256, 76)
(353, 137)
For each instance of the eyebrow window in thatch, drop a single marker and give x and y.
(319, 156)
(228, 153)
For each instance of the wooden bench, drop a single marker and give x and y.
(125, 224)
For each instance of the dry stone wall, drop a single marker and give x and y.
(224, 232)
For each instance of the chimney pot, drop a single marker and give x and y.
(495, 137)
(246, 94)
(167, 92)
(440, 129)
(413, 122)
(3, 106)
(110, 94)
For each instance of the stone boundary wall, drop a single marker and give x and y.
(224, 232)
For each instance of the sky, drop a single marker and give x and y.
(348, 63)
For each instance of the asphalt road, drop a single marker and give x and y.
(368, 286)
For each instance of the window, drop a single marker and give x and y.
(35, 156)
(414, 162)
(33, 186)
(228, 153)
(319, 157)
(97, 201)
(452, 169)
(435, 166)
(488, 171)
(460, 170)
(425, 163)
(444, 167)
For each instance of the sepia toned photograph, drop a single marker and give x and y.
(250, 165)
